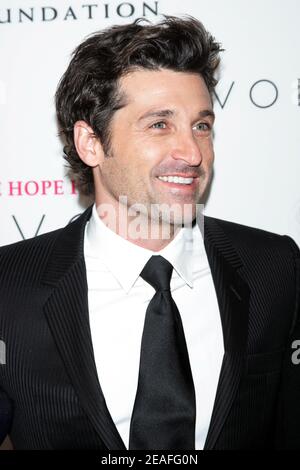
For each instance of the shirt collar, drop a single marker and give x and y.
(104, 244)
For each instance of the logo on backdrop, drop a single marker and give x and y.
(96, 10)
(31, 188)
(263, 94)
(35, 188)
(36, 230)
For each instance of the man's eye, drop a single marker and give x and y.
(159, 125)
(202, 126)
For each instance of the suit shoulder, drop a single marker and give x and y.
(25, 259)
(44, 241)
(252, 237)
(30, 244)
(242, 229)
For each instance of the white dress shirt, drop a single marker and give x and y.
(118, 298)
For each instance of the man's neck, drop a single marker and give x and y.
(141, 230)
(154, 243)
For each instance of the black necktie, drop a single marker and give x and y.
(164, 411)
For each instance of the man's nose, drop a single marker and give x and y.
(187, 148)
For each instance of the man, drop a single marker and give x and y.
(133, 328)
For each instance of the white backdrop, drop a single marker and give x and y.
(257, 167)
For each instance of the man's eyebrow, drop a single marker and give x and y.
(170, 112)
(207, 113)
(157, 113)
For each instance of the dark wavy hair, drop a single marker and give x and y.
(89, 88)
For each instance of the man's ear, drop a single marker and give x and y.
(88, 147)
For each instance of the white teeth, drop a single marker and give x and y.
(176, 179)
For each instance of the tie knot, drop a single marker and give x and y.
(157, 272)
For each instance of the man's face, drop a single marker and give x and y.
(164, 132)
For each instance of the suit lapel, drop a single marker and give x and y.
(233, 299)
(67, 314)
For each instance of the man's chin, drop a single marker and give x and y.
(175, 214)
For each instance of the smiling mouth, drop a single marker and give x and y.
(176, 179)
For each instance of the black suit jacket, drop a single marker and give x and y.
(49, 384)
